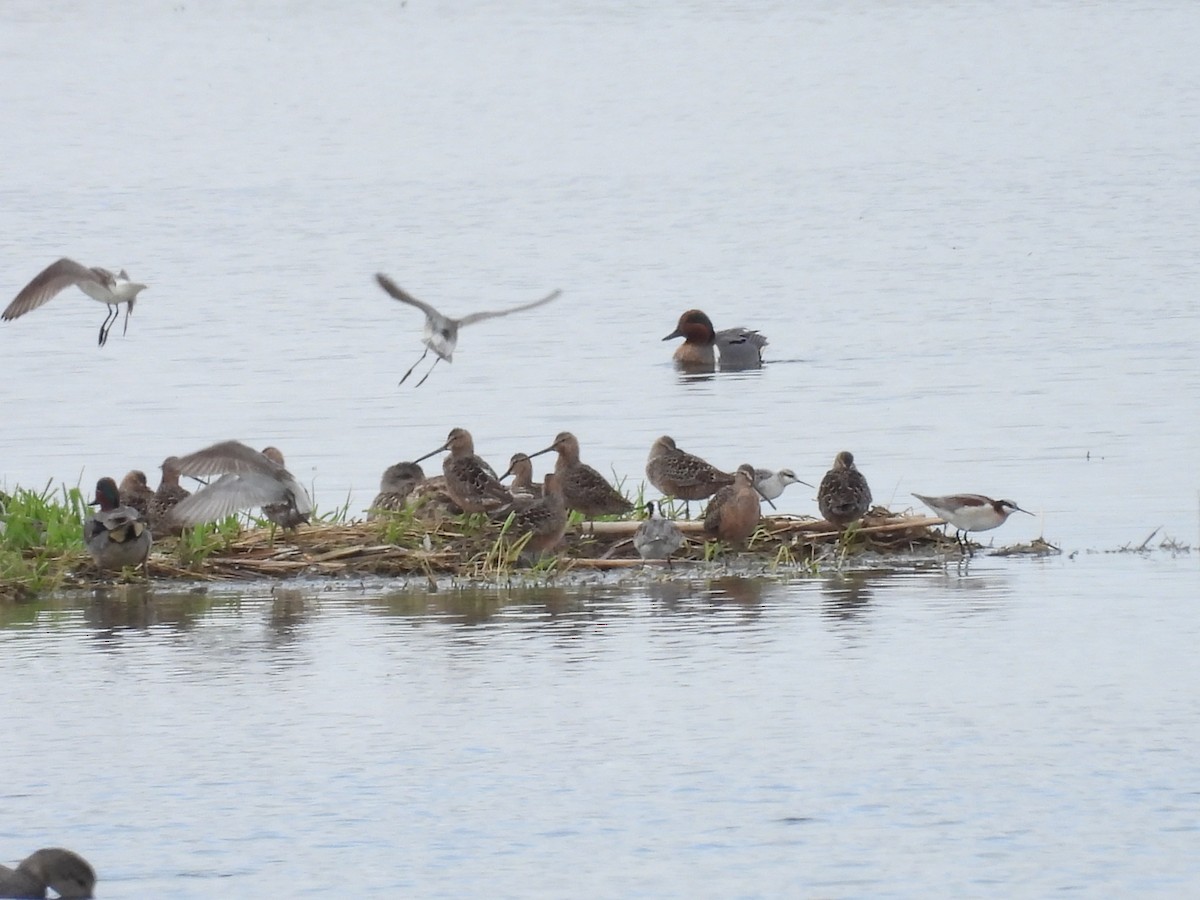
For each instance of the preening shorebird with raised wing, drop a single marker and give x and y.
(99, 284)
(248, 478)
(441, 332)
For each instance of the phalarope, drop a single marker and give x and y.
(441, 332)
(99, 284)
(116, 536)
(247, 479)
(65, 872)
(843, 495)
(682, 475)
(584, 489)
(971, 512)
(736, 348)
(656, 538)
(470, 482)
(772, 484)
(734, 512)
(395, 487)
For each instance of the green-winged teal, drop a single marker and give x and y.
(116, 536)
(703, 347)
(63, 871)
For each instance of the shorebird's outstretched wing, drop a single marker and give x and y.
(480, 316)
(248, 479)
(400, 294)
(51, 281)
(227, 457)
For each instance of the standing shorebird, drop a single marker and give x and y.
(99, 284)
(248, 478)
(736, 348)
(395, 487)
(971, 512)
(168, 494)
(682, 475)
(470, 482)
(441, 332)
(544, 520)
(584, 489)
(844, 495)
(135, 491)
(772, 484)
(657, 538)
(734, 511)
(525, 491)
(65, 872)
(116, 536)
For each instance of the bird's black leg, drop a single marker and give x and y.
(128, 310)
(413, 366)
(430, 372)
(113, 312)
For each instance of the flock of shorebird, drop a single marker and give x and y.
(120, 533)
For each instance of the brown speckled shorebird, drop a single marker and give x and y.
(525, 491)
(65, 872)
(135, 492)
(843, 495)
(285, 514)
(545, 519)
(470, 482)
(583, 488)
(680, 474)
(734, 512)
(168, 494)
(395, 486)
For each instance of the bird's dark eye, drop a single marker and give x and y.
(445, 334)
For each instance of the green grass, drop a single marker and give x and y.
(42, 539)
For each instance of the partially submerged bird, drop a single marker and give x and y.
(99, 284)
(703, 346)
(680, 474)
(584, 489)
(734, 511)
(63, 871)
(247, 479)
(772, 484)
(656, 538)
(116, 536)
(843, 495)
(395, 486)
(135, 491)
(971, 512)
(441, 332)
(470, 482)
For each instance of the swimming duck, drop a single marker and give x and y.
(843, 495)
(441, 332)
(247, 479)
(99, 284)
(470, 482)
(680, 474)
(584, 489)
(657, 538)
(116, 536)
(63, 871)
(395, 486)
(736, 348)
(734, 512)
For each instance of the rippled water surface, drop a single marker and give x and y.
(969, 233)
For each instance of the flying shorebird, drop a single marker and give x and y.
(248, 479)
(99, 284)
(441, 332)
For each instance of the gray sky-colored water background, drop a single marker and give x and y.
(969, 231)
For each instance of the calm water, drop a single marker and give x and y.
(969, 232)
